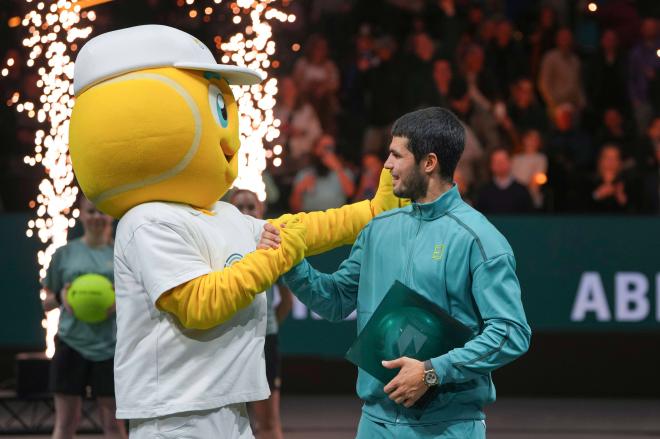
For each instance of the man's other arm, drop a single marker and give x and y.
(332, 296)
(505, 335)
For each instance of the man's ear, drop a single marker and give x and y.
(430, 163)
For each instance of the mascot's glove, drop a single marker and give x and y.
(214, 298)
(336, 227)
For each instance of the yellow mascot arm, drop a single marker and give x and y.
(214, 298)
(336, 227)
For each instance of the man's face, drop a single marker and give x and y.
(442, 71)
(609, 161)
(248, 204)
(423, 45)
(407, 177)
(500, 164)
(523, 93)
(93, 220)
(565, 40)
(612, 119)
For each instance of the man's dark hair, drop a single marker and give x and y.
(433, 130)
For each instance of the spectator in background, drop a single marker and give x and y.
(524, 110)
(623, 17)
(267, 412)
(606, 73)
(542, 38)
(614, 130)
(569, 154)
(442, 75)
(529, 166)
(560, 80)
(486, 33)
(445, 24)
(354, 73)
(506, 58)
(481, 122)
(418, 83)
(480, 82)
(503, 194)
(651, 182)
(325, 184)
(648, 146)
(84, 352)
(317, 77)
(470, 163)
(383, 96)
(300, 128)
(369, 177)
(644, 74)
(609, 191)
(475, 20)
(569, 146)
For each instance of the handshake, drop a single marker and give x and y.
(308, 234)
(289, 234)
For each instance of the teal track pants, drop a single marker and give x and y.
(369, 429)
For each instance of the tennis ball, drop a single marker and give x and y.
(90, 296)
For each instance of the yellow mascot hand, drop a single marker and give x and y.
(336, 227)
(214, 298)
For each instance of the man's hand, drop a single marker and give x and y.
(270, 237)
(331, 161)
(111, 310)
(408, 386)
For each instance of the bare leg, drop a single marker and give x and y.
(67, 415)
(267, 415)
(112, 427)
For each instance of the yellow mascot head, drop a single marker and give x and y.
(154, 120)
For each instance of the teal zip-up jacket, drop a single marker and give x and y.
(451, 254)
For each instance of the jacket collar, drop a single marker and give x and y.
(443, 204)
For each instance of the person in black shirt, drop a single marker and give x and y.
(609, 191)
(503, 194)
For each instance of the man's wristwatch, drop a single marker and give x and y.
(430, 377)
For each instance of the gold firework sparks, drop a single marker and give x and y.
(253, 48)
(53, 31)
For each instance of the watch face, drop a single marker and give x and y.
(430, 378)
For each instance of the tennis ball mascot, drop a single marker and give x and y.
(154, 141)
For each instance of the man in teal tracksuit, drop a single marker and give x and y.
(444, 249)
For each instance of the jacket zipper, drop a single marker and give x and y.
(412, 248)
(407, 272)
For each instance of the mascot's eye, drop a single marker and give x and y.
(217, 104)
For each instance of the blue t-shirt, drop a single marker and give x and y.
(94, 341)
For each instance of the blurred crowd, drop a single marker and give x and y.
(560, 99)
(560, 102)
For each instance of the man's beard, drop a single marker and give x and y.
(413, 187)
